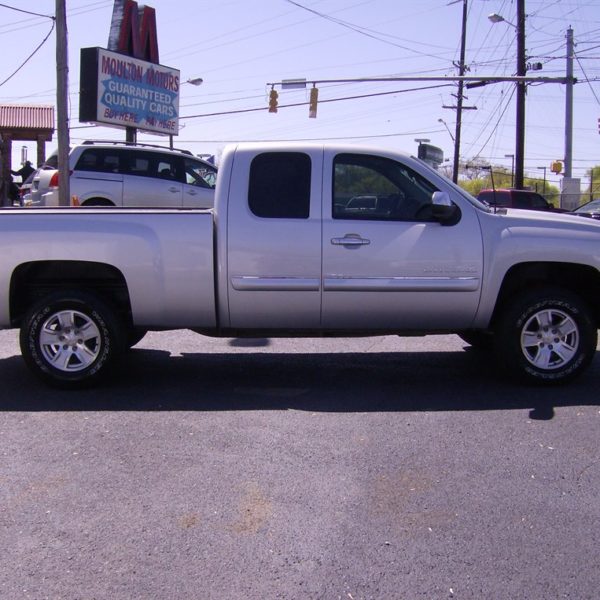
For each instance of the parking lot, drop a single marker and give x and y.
(374, 468)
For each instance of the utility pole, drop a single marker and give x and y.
(570, 187)
(460, 96)
(459, 101)
(569, 106)
(521, 88)
(62, 103)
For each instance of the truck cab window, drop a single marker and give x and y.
(376, 188)
(279, 185)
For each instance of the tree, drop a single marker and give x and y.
(593, 189)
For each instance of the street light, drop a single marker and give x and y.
(496, 18)
(195, 81)
(512, 169)
(447, 128)
(521, 72)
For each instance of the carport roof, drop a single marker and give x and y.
(21, 116)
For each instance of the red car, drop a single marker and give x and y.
(510, 198)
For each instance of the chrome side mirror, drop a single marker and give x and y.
(443, 210)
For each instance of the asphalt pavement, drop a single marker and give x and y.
(374, 468)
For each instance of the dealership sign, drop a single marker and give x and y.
(117, 89)
(124, 85)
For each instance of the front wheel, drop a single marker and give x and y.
(69, 339)
(546, 336)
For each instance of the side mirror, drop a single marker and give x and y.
(441, 199)
(443, 210)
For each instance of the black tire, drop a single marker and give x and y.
(69, 339)
(481, 340)
(134, 335)
(546, 336)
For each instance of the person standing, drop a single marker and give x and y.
(24, 172)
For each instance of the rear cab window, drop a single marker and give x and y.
(279, 186)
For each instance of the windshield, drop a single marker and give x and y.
(592, 206)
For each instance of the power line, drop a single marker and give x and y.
(361, 30)
(27, 12)
(357, 97)
(587, 79)
(31, 55)
(497, 122)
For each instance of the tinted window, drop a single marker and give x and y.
(144, 163)
(538, 201)
(373, 187)
(498, 198)
(522, 200)
(102, 160)
(139, 165)
(280, 185)
(200, 174)
(51, 162)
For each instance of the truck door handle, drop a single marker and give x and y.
(350, 239)
(174, 190)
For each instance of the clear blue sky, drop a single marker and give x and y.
(238, 46)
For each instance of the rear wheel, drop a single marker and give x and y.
(69, 339)
(546, 336)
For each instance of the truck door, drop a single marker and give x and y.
(386, 263)
(274, 240)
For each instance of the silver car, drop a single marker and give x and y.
(129, 175)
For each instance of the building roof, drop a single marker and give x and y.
(21, 116)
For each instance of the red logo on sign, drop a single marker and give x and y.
(137, 34)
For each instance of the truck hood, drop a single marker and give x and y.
(514, 217)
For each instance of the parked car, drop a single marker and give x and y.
(589, 209)
(129, 175)
(511, 198)
(25, 190)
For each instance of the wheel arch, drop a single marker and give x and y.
(33, 280)
(97, 201)
(579, 279)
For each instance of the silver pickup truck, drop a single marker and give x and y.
(304, 240)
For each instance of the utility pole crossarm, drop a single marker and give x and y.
(465, 78)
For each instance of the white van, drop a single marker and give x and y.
(129, 175)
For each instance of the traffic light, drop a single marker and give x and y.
(556, 166)
(273, 95)
(314, 98)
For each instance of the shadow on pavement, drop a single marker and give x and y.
(153, 380)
